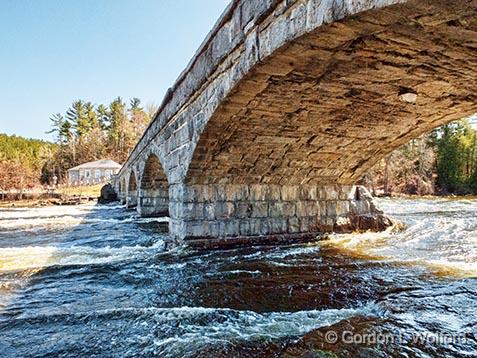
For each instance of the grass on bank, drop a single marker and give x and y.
(59, 196)
(85, 190)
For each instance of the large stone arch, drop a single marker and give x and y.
(154, 188)
(132, 190)
(316, 114)
(287, 103)
(326, 106)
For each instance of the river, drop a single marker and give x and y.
(94, 280)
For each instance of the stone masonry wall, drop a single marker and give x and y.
(153, 202)
(131, 199)
(204, 211)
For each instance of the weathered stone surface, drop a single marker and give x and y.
(258, 212)
(286, 105)
(337, 106)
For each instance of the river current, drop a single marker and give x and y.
(95, 280)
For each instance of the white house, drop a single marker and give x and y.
(93, 172)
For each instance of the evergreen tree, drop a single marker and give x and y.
(92, 121)
(455, 156)
(117, 128)
(135, 104)
(104, 116)
(77, 115)
(62, 127)
(448, 162)
(139, 118)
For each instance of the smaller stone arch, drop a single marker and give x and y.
(154, 189)
(122, 190)
(131, 196)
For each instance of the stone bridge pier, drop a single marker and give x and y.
(243, 213)
(288, 103)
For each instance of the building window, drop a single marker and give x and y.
(87, 173)
(97, 174)
(108, 173)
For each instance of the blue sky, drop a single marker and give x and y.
(55, 51)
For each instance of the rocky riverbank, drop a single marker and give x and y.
(33, 203)
(49, 197)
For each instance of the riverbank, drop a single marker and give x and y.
(85, 194)
(48, 197)
(426, 197)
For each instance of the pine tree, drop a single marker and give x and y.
(117, 128)
(91, 116)
(135, 104)
(139, 119)
(104, 117)
(62, 127)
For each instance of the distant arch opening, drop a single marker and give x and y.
(131, 200)
(440, 162)
(121, 186)
(122, 190)
(154, 189)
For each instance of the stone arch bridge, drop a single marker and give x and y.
(287, 103)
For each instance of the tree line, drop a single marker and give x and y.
(86, 132)
(21, 160)
(441, 162)
(83, 133)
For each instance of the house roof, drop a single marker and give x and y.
(98, 164)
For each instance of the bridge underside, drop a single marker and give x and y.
(281, 152)
(329, 105)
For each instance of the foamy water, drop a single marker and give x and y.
(94, 280)
(441, 234)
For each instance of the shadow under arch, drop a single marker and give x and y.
(131, 196)
(326, 106)
(154, 189)
(122, 190)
